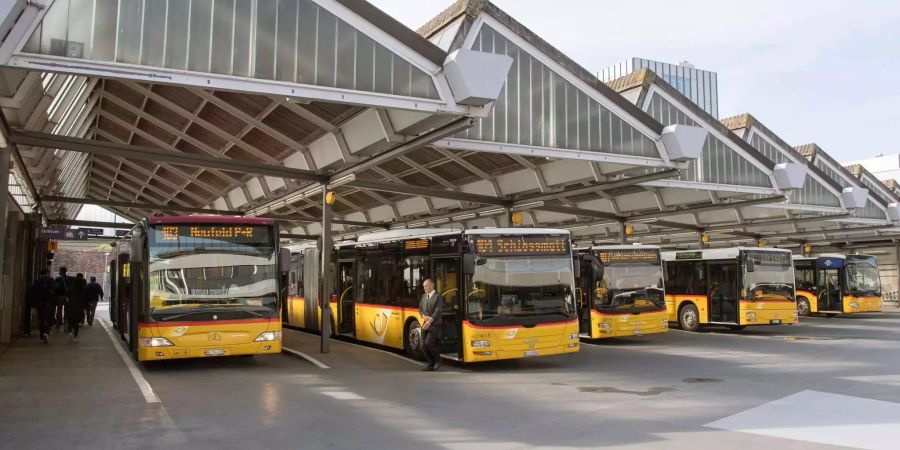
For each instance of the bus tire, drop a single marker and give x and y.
(689, 317)
(803, 306)
(412, 339)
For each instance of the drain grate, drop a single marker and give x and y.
(699, 380)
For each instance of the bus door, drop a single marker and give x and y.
(828, 285)
(722, 289)
(591, 274)
(346, 297)
(447, 280)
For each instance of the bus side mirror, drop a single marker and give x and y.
(468, 263)
(576, 267)
(284, 261)
(751, 266)
(137, 252)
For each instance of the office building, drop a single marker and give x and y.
(701, 86)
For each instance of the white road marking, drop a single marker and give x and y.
(822, 418)
(142, 383)
(343, 395)
(395, 355)
(315, 361)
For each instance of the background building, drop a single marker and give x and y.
(701, 86)
(884, 167)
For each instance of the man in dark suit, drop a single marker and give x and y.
(430, 308)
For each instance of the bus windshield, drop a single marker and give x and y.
(520, 286)
(204, 273)
(767, 276)
(862, 276)
(630, 287)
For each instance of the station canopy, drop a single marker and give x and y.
(254, 108)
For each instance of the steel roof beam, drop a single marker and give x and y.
(607, 186)
(143, 206)
(153, 154)
(797, 221)
(708, 208)
(301, 219)
(429, 192)
(90, 223)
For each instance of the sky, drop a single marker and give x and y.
(823, 71)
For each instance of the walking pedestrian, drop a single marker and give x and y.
(75, 306)
(94, 295)
(44, 293)
(430, 308)
(62, 287)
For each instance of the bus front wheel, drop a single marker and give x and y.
(803, 307)
(413, 341)
(689, 318)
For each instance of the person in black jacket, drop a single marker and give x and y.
(75, 306)
(430, 308)
(43, 297)
(62, 294)
(94, 294)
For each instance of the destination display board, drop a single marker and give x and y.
(782, 259)
(242, 234)
(416, 244)
(688, 255)
(525, 245)
(629, 256)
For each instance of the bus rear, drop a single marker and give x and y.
(211, 288)
(624, 293)
(519, 300)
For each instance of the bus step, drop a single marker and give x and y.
(451, 356)
(585, 335)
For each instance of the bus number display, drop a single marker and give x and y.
(521, 245)
(416, 244)
(628, 256)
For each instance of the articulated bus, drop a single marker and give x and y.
(836, 284)
(621, 291)
(198, 286)
(732, 287)
(508, 293)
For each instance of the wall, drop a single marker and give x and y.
(89, 262)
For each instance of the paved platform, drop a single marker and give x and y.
(713, 389)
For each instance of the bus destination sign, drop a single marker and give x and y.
(688, 255)
(628, 256)
(236, 233)
(416, 244)
(525, 245)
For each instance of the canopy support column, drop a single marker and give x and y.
(325, 272)
(5, 154)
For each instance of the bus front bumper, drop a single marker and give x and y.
(623, 325)
(178, 352)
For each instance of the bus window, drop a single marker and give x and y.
(415, 271)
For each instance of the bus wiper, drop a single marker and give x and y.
(175, 316)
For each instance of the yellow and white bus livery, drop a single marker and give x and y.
(732, 287)
(836, 284)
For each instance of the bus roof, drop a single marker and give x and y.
(211, 219)
(821, 255)
(721, 253)
(403, 233)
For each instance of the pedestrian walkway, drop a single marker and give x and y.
(59, 395)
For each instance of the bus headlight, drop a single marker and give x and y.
(573, 336)
(603, 325)
(268, 336)
(156, 342)
(854, 305)
(481, 344)
(751, 315)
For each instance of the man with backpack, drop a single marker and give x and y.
(94, 294)
(62, 297)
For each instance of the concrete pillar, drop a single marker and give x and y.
(5, 155)
(325, 271)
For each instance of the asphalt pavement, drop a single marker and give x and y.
(824, 383)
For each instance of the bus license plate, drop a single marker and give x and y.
(776, 322)
(214, 352)
(531, 353)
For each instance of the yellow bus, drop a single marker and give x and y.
(732, 287)
(836, 284)
(508, 292)
(199, 286)
(621, 291)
